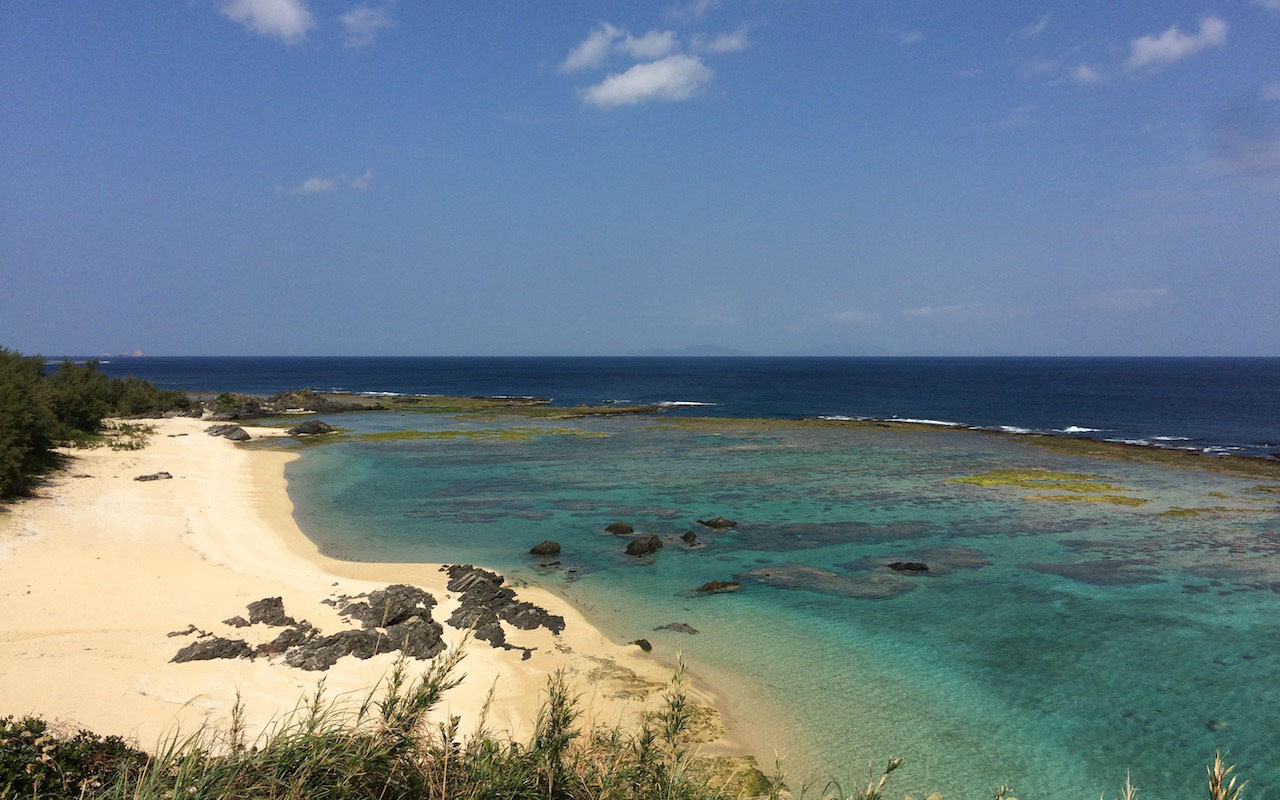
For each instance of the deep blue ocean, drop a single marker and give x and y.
(1223, 404)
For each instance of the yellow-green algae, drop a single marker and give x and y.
(1179, 511)
(1036, 478)
(488, 434)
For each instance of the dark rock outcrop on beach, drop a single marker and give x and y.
(211, 648)
(908, 566)
(395, 618)
(643, 644)
(644, 545)
(269, 611)
(221, 430)
(155, 476)
(236, 622)
(311, 427)
(678, 627)
(483, 601)
(718, 587)
(547, 548)
(390, 606)
(619, 528)
(689, 537)
(718, 523)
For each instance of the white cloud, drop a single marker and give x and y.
(910, 37)
(1127, 299)
(1035, 29)
(675, 77)
(287, 20)
(1085, 73)
(925, 312)
(854, 317)
(362, 24)
(730, 42)
(654, 44)
(321, 184)
(1270, 92)
(1272, 5)
(1174, 45)
(591, 50)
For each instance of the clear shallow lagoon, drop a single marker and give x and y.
(1052, 646)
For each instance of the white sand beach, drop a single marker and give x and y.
(99, 569)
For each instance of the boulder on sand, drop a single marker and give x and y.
(310, 428)
(155, 476)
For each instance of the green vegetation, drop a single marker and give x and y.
(1113, 499)
(1201, 511)
(39, 412)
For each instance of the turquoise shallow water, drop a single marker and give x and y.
(1051, 647)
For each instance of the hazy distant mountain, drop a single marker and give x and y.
(697, 350)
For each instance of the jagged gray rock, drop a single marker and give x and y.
(155, 476)
(211, 648)
(311, 427)
(644, 545)
(718, 523)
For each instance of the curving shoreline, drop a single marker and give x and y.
(100, 569)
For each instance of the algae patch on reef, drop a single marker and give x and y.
(1044, 479)
(1113, 499)
(482, 434)
(1200, 511)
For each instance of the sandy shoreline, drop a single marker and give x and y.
(100, 568)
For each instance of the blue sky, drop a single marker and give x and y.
(779, 176)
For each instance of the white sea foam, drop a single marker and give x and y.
(682, 403)
(381, 394)
(838, 417)
(1171, 438)
(1078, 429)
(1142, 442)
(944, 423)
(1014, 429)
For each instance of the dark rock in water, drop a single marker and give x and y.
(269, 611)
(323, 652)
(718, 587)
(238, 435)
(909, 566)
(547, 548)
(390, 606)
(878, 586)
(209, 649)
(689, 537)
(236, 622)
(718, 523)
(643, 644)
(1104, 572)
(644, 545)
(619, 528)
(678, 627)
(155, 476)
(1216, 725)
(310, 428)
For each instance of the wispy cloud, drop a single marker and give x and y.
(1086, 73)
(1270, 5)
(1128, 299)
(1154, 51)
(675, 77)
(854, 317)
(654, 44)
(590, 52)
(1036, 28)
(910, 37)
(692, 10)
(730, 42)
(944, 312)
(321, 184)
(286, 20)
(362, 24)
(1270, 92)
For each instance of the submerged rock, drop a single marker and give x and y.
(644, 545)
(619, 528)
(546, 548)
(718, 587)
(310, 428)
(689, 537)
(908, 566)
(678, 627)
(718, 523)
(878, 586)
(212, 648)
(155, 476)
